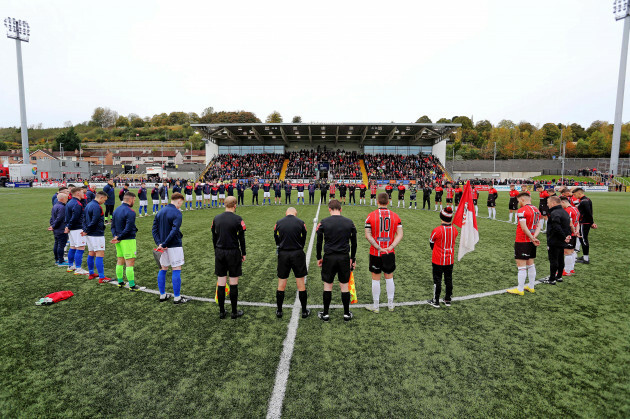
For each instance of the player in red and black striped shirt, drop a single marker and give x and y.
(373, 189)
(442, 242)
(383, 229)
(569, 252)
(513, 203)
(526, 241)
(542, 205)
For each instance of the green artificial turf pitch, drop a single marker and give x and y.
(564, 351)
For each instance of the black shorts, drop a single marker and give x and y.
(449, 200)
(413, 197)
(389, 194)
(572, 243)
(544, 211)
(373, 195)
(513, 204)
(491, 204)
(228, 263)
(401, 196)
(342, 195)
(524, 250)
(438, 198)
(336, 264)
(332, 195)
(292, 260)
(385, 263)
(457, 201)
(474, 202)
(278, 194)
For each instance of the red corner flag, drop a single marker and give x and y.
(466, 219)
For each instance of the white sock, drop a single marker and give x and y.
(476, 210)
(440, 207)
(522, 276)
(390, 287)
(494, 213)
(510, 217)
(541, 223)
(376, 292)
(578, 244)
(567, 263)
(436, 207)
(531, 274)
(489, 212)
(586, 258)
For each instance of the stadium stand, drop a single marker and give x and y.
(231, 166)
(397, 167)
(343, 165)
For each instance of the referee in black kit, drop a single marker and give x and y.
(290, 236)
(228, 234)
(336, 231)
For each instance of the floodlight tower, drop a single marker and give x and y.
(20, 31)
(621, 9)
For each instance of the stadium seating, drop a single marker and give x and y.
(342, 165)
(398, 167)
(231, 166)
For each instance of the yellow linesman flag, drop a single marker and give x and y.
(353, 289)
(216, 292)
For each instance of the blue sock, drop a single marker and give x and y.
(90, 262)
(162, 281)
(78, 258)
(146, 209)
(100, 267)
(177, 281)
(71, 253)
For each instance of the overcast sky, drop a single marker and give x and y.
(334, 61)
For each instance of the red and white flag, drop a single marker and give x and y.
(466, 219)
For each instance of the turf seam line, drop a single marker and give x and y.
(274, 409)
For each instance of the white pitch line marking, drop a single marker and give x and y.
(274, 410)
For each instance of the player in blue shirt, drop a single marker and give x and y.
(142, 197)
(94, 230)
(221, 194)
(163, 194)
(207, 189)
(155, 198)
(277, 189)
(111, 200)
(124, 231)
(300, 191)
(74, 228)
(198, 195)
(168, 238)
(188, 191)
(177, 187)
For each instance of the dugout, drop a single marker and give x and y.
(368, 138)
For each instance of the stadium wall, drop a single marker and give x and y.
(528, 165)
(464, 175)
(439, 151)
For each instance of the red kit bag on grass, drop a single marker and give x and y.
(55, 297)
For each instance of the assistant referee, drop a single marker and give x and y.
(336, 231)
(290, 235)
(228, 238)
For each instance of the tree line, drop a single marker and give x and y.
(525, 140)
(474, 140)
